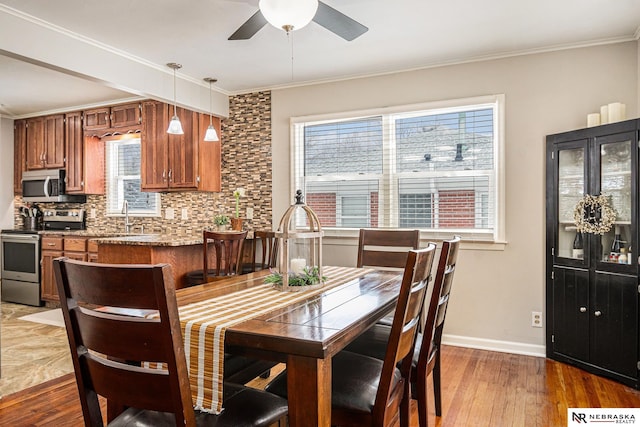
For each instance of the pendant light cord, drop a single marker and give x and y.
(290, 37)
(210, 105)
(175, 112)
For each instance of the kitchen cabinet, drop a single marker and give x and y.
(78, 248)
(19, 154)
(52, 247)
(85, 158)
(45, 142)
(592, 279)
(126, 115)
(177, 162)
(99, 121)
(209, 156)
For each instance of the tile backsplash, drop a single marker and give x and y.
(246, 163)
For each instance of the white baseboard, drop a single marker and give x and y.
(495, 345)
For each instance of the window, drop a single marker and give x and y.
(123, 179)
(435, 167)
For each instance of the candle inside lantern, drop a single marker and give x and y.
(298, 265)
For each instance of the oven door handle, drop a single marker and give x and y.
(46, 186)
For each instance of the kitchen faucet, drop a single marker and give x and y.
(125, 211)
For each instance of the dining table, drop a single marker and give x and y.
(303, 329)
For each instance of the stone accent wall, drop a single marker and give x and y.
(246, 163)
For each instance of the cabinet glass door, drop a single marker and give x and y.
(571, 188)
(615, 159)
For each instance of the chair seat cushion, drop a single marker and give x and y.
(243, 407)
(240, 369)
(373, 343)
(354, 384)
(196, 277)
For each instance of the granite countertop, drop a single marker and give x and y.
(79, 233)
(153, 240)
(133, 239)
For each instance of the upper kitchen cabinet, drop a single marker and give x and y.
(97, 119)
(209, 156)
(19, 150)
(45, 142)
(85, 158)
(100, 121)
(176, 162)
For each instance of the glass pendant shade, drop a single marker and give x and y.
(175, 127)
(288, 14)
(211, 134)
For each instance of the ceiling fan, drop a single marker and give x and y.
(276, 11)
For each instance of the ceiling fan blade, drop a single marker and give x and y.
(338, 23)
(249, 28)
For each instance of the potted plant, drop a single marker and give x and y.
(236, 222)
(221, 221)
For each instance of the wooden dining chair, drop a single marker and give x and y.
(369, 392)
(386, 248)
(108, 351)
(227, 252)
(267, 256)
(426, 358)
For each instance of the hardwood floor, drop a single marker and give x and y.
(480, 388)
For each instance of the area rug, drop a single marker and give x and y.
(49, 317)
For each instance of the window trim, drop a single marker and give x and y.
(496, 101)
(132, 212)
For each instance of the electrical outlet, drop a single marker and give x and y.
(536, 319)
(185, 214)
(92, 213)
(249, 213)
(168, 213)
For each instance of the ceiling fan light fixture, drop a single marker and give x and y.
(175, 127)
(288, 14)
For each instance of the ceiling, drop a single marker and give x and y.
(403, 34)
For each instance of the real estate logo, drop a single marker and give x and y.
(602, 416)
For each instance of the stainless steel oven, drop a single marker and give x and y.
(20, 267)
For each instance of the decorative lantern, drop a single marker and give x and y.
(300, 240)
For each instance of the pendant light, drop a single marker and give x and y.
(175, 127)
(288, 14)
(211, 134)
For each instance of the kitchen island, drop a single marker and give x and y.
(182, 252)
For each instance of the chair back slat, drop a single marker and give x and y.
(438, 303)
(386, 248)
(227, 251)
(400, 346)
(110, 344)
(269, 250)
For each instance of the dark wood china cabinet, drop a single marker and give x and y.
(592, 290)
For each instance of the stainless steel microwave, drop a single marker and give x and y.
(47, 185)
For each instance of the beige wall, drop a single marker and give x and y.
(6, 173)
(495, 290)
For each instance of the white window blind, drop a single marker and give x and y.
(436, 168)
(123, 179)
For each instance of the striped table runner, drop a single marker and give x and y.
(204, 324)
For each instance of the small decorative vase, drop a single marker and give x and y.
(236, 224)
